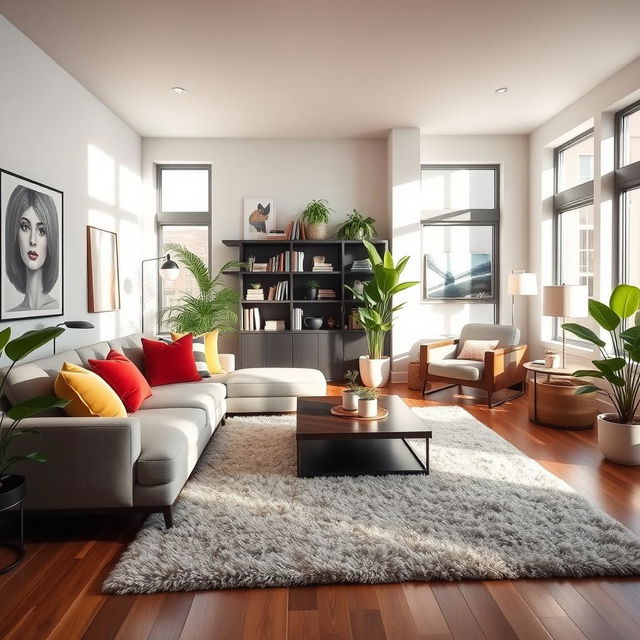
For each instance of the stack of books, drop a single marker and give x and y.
(361, 265)
(255, 294)
(295, 230)
(258, 266)
(251, 319)
(319, 264)
(297, 319)
(280, 291)
(325, 294)
(286, 261)
(274, 325)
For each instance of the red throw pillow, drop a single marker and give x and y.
(124, 378)
(165, 363)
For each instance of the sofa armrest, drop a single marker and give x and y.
(438, 350)
(90, 462)
(228, 361)
(505, 366)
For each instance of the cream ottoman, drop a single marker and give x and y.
(271, 389)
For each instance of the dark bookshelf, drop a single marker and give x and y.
(332, 350)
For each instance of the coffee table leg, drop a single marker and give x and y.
(427, 455)
(299, 456)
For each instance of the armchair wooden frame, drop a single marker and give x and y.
(503, 368)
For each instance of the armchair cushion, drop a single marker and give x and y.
(506, 335)
(475, 349)
(458, 369)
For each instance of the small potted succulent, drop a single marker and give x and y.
(350, 394)
(255, 285)
(312, 287)
(316, 218)
(357, 227)
(367, 402)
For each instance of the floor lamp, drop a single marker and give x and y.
(521, 284)
(565, 301)
(72, 324)
(169, 271)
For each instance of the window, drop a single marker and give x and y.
(628, 123)
(574, 162)
(460, 229)
(184, 217)
(630, 233)
(576, 250)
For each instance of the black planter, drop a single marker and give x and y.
(12, 491)
(312, 294)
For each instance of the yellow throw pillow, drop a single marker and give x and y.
(210, 350)
(88, 394)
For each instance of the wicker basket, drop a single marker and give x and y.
(558, 404)
(414, 376)
(317, 231)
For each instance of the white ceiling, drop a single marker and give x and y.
(324, 68)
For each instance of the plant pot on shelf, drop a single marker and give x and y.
(317, 230)
(312, 294)
(349, 400)
(367, 408)
(374, 371)
(619, 442)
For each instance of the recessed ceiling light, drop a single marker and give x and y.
(502, 90)
(178, 90)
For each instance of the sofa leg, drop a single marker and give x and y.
(168, 517)
(223, 420)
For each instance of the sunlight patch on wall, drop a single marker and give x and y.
(101, 175)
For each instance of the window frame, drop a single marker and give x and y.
(476, 218)
(619, 146)
(181, 218)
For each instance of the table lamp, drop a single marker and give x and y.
(565, 301)
(521, 283)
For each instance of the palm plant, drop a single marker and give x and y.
(16, 350)
(357, 227)
(215, 307)
(621, 369)
(376, 314)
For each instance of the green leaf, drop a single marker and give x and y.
(584, 333)
(625, 300)
(34, 406)
(402, 263)
(401, 287)
(603, 315)
(610, 364)
(5, 334)
(588, 373)
(634, 354)
(374, 256)
(387, 261)
(587, 388)
(30, 341)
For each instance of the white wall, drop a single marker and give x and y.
(420, 321)
(595, 109)
(349, 173)
(53, 131)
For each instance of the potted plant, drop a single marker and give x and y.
(312, 287)
(316, 217)
(12, 486)
(357, 227)
(376, 312)
(619, 432)
(367, 402)
(350, 394)
(255, 285)
(213, 309)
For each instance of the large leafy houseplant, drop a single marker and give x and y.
(619, 368)
(16, 350)
(214, 307)
(357, 227)
(377, 310)
(316, 217)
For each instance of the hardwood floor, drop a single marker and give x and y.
(55, 592)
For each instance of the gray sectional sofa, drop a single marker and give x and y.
(144, 460)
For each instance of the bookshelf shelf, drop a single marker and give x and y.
(333, 351)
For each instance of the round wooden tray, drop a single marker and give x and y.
(340, 411)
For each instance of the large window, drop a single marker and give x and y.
(184, 217)
(574, 162)
(628, 123)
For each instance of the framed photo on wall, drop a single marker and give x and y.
(259, 217)
(103, 276)
(31, 224)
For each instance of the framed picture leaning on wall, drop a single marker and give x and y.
(103, 277)
(31, 217)
(259, 217)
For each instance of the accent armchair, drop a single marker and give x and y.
(501, 368)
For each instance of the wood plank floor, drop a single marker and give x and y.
(55, 592)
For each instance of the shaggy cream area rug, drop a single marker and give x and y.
(244, 519)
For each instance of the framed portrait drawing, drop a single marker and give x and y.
(31, 217)
(259, 217)
(103, 276)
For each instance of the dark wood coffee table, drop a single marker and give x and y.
(332, 446)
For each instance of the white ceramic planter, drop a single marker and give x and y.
(349, 400)
(374, 373)
(367, 408)
(619, 442)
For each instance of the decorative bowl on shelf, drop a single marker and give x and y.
(313, 323)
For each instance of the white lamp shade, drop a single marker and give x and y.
(169, 275)
(565, 301)
(522, 284)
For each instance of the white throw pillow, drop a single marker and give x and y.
(475, 349)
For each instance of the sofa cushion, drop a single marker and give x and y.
(168, 363)
(168, 444)
(204, 395)
(275, 381)
(130, 346)
(98, 351)
(460, 369)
